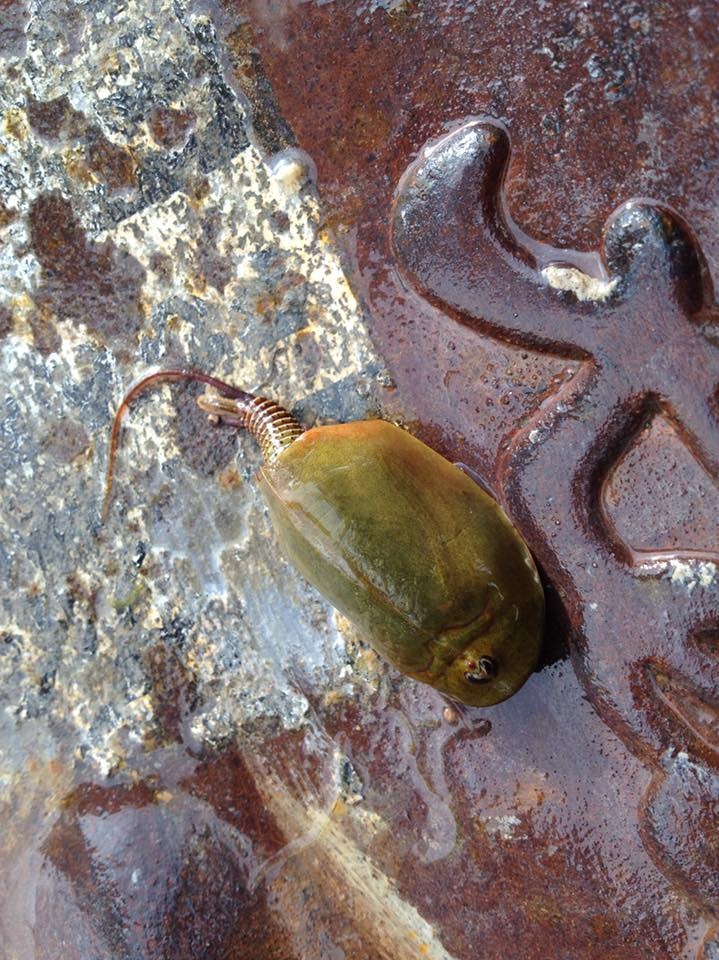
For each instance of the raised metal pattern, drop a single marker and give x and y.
(645, 350)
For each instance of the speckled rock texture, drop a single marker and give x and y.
(198, 757)
(141, 226)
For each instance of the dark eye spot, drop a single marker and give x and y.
(485, 671)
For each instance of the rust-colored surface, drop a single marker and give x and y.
(595, 421)
(100, 283)
(644, 355)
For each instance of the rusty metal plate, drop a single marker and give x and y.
(572, 361)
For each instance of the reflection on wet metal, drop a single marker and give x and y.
(643, 350)
(519, 356)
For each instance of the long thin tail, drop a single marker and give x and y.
(271, 425)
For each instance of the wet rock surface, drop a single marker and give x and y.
(200, 758)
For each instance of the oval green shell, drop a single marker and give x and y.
(413, 552)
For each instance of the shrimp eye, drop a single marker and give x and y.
(485, 671)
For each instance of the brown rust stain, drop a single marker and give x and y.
(55, 119)
(267, 119)
(82, 281)
(111, 163)
(170, 126)
(161, 868)
(173, 692)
